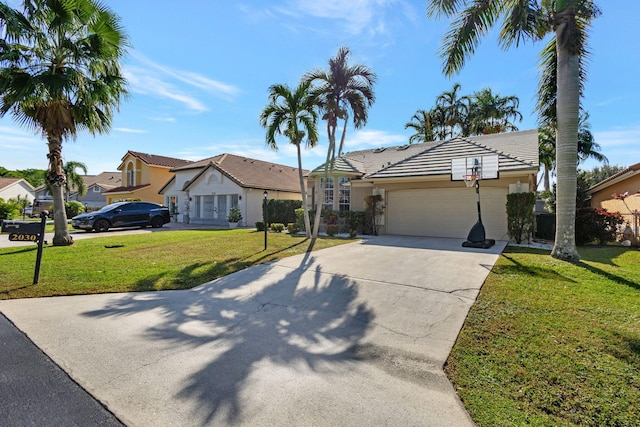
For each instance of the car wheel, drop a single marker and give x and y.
(156, 222)
(101, 225)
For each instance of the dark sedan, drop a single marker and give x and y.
(123, 214)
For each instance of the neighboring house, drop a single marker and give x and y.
(12, 188)
(42, 193)
(203, 192)
(96, 186)
(620, 193)
(421, 188)
(142, 177)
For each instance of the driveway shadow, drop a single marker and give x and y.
(297, 318)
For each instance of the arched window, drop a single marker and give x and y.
(131, 175)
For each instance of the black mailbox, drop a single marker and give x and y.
(22, 231)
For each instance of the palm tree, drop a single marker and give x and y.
(547, 153)
(422, 123)
(74, 181)
(455, 110)
(532, 19)
(60, 73)
(492, 113)
(587, 145)
(293, 115)
(340, 91)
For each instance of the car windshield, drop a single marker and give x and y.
(110, 207)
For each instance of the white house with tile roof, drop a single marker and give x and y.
(203, 192)
(12, 188)
(421, 194)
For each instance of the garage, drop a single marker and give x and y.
(446, 212)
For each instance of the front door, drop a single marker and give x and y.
(222, 207)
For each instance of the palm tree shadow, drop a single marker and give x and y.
(264, 318)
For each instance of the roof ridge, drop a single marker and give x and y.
(495, 150)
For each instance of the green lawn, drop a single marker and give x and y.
(550, 343)
(142, 262)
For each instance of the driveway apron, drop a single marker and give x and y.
(352, 335)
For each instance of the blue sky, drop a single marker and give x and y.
(199, 73)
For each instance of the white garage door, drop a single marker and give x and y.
(446, 212)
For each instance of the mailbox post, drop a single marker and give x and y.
(21, 231)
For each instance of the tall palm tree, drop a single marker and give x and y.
(569, 20)
(292, 114)
(455, 110)
(341, 92)
(492, 113)
(60, 73)
(422, 123)
(74, 181)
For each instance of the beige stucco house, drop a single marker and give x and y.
(142, 176)
(420, 194)
(620, 193)
(203, 192)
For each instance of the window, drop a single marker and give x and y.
(130, 175)
(344, 194)
(97, 189)
(328, 193)
(234, 200)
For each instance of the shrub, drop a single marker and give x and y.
(260, 226)
(282, 211)
(8, 209)
(73, 208)
(596, 224)
(332, 229)
(293, 228)
(277, 227)
(234, 214)
(520, 215)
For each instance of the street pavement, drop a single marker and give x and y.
(352, 335)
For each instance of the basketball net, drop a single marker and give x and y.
(470, 180)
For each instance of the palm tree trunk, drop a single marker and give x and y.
(56, 180)
(344, 133)
(547, 178)
(567, 105)
(331, 132)
(303, 192)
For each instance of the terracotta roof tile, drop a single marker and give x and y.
(155, 160)
(251, 173)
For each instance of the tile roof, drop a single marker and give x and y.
(515, 150)
(128, 189)
(614, 179)
(437, 160)
(155, 160)
(106, 180)
(6, 182)
(251, 173)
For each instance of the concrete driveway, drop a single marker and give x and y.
(351, 335)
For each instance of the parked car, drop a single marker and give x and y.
(123, 214)
(28, 211)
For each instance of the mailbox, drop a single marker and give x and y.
(22, 231)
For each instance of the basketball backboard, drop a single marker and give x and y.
(485, 167)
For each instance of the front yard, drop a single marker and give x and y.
(143, 262)
(549, 343)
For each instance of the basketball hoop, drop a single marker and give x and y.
(470, 180)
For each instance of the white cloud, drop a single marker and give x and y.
(147, 77)
(364, 139)
(617, 137)
(356, 17)
(128, 130)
